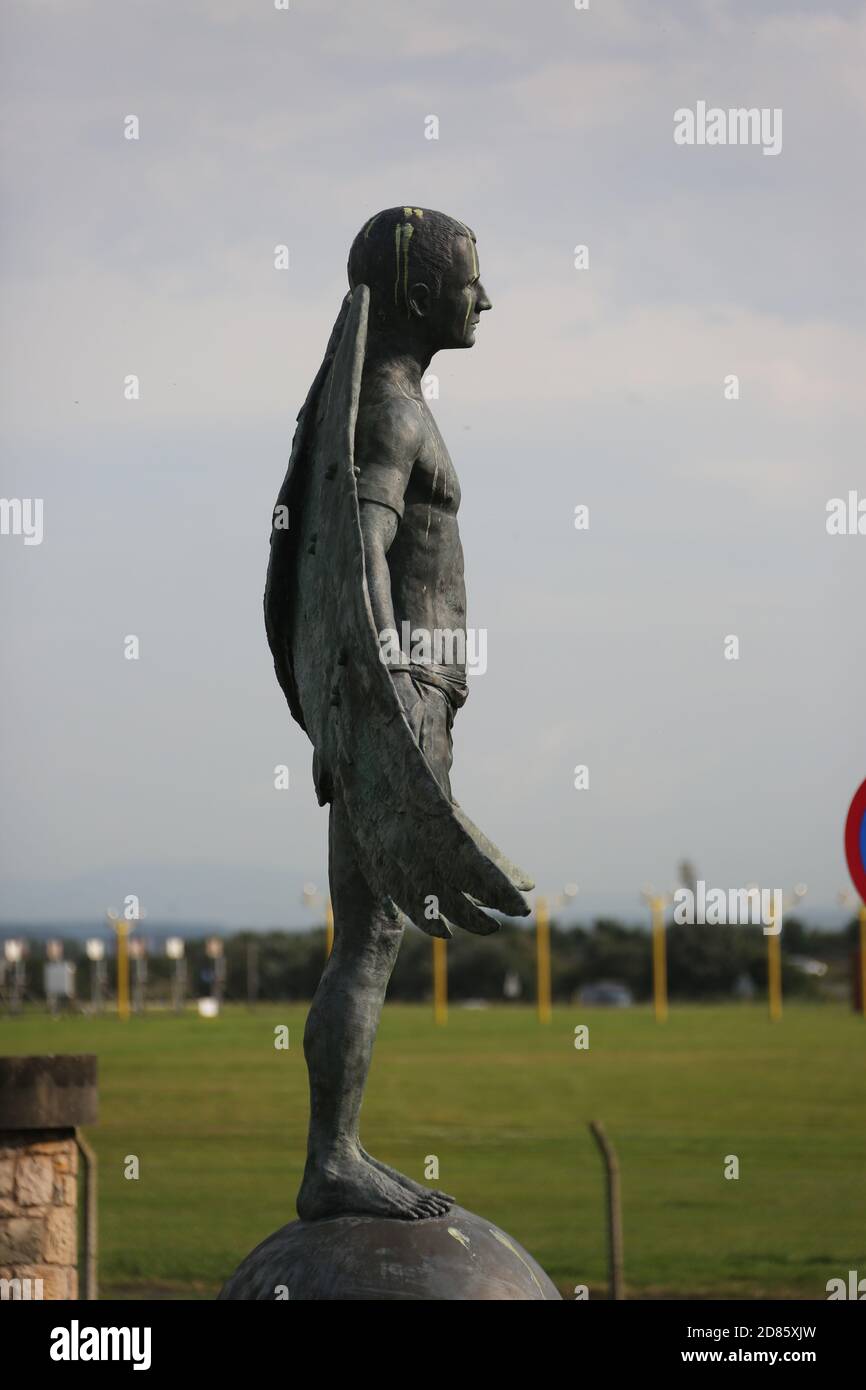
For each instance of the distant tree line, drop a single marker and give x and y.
(704, 962)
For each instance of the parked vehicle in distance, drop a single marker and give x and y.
(610, 992)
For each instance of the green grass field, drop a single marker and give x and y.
(217, 1118)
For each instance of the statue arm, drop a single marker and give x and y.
(387, 442)
(378, 528)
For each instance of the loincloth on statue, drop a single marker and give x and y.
(450, 681)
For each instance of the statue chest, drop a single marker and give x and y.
(434, 478)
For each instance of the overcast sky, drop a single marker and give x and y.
(602, 386)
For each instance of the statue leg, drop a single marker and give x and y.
(338, 1042)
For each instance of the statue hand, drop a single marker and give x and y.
(411, 701)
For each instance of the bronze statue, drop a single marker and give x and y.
(365, 540)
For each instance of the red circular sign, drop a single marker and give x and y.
(855, 840)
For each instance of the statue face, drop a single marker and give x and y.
(452, 318)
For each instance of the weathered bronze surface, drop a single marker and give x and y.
(350, 1258)
(364, 542)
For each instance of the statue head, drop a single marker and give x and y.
(421, 268)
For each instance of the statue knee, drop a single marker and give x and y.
(387, 935)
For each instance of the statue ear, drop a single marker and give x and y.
(420, 300)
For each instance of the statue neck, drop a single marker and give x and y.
(407, 361)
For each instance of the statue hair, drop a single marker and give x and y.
(401, 247)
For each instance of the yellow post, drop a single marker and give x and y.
(440, 981)
(542, 959)
(863, 960)
(121, 926)
(660, 965)
(774, 970)
(329, 929)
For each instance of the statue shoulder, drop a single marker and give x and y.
(390, 423)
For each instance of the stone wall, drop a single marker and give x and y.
(39, 1211)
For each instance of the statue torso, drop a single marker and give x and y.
(426, 557)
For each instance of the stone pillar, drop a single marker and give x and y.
(42, 1101)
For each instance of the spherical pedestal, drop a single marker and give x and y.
(458, 1256)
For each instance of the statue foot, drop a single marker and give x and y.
(443, 1200)
(347, 1185)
